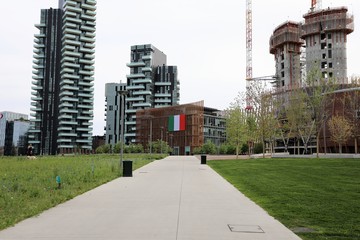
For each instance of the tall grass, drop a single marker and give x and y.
(28, 187)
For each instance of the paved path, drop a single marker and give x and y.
(172, 199)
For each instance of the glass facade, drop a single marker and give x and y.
(13, 128)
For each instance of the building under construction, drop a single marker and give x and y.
(318, 44)
(325, 33)
(286, 44)
(321, 38)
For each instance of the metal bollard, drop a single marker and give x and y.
(203, 159)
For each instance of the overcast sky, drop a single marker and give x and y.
(204, 38)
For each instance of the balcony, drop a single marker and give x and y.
(87, 39)
(69, 87)
(73, 65)
(136, 75)
(72, 31)
(67, 134)
(89, 7)
(147, 69)
(40, 25)
(71, 42)
(89, 56)
(72, 54)
(69, 25)
(38, 77)
(85, 106)
(91, 2)
(36, 98)
(67, 59)
(142, 93)
(92, 68)
(68, 99)
(142, 104)
(89, 78)
(84, 61)
(87, 50)
(135, 87)
(70, 76)
(66, 93)
(84, 117)
(87, 17)
(64, 129)
(162, 95)
(162, 83)
(130, 123)
(163, 100)
(70, 18)
(72, 9)
(64, 116)
(86, 84)
(67, 110)
(90, 13)
(135, 99)
(68, 36)
(130, 111)
(39, 45)
(136, 64)
(66, 81)
(87, 73)
(147, 57)
(39, 35)
(90, 35)
(90, 45)
(142, 81)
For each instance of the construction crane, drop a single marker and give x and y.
(248, 48)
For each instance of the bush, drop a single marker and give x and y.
(103, 149)
(227, 149)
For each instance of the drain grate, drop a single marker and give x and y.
(245, 228)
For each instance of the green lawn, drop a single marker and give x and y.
(318, 194)
(28, 187)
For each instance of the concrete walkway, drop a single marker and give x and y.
(175, 198)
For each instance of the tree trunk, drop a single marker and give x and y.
(356, 146)
(340, 148)
(317, 145)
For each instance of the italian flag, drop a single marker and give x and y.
(176, 123)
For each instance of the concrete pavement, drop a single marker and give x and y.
(175, 198)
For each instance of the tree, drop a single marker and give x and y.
(160, 147)
(317, 98)
(209, 147)
(236, 124)
(340, 129)
(352, 109)
(262, 122)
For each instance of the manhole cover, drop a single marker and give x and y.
(245, 228)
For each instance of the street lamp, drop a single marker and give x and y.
(122, 93)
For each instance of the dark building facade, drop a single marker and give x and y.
(46, 82)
